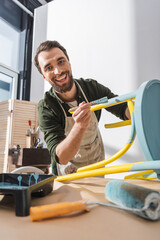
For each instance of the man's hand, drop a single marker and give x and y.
(82, 115)
(68, 148)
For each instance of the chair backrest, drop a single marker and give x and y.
(147, 118)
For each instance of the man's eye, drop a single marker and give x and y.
(61, 62)
(49, 68)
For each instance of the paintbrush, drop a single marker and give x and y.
(98, 101)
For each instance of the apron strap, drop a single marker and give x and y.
(82, 91)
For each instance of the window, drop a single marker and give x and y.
(8, 83)
(9, 47)
(16, 32)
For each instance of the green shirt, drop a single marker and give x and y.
(51, 115)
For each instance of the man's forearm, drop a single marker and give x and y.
(68, 148)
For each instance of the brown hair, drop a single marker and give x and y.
(46, 46)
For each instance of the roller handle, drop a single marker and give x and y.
(57, 209)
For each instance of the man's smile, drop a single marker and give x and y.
(63, 82)
(61, 78)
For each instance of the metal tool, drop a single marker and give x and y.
(36, 141)
(14, 154)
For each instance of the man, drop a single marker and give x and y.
(73, 140)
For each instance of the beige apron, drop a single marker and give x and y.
(91, 149)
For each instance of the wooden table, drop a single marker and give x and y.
(99, 223)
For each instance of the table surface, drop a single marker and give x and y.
(99, 223)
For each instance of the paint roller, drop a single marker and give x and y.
(62, 208)
(142, 201)
(139, 200)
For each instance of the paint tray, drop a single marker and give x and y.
(23, 187)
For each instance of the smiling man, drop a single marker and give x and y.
(73, 140)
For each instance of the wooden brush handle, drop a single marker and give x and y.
(57, 209)
(71, 110)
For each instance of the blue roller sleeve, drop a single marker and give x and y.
(131, 196)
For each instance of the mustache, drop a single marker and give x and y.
(63, 73)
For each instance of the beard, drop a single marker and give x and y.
(64, 87)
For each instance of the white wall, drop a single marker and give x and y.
(40, 35)
(113, 41)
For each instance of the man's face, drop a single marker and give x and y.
(56, 69)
